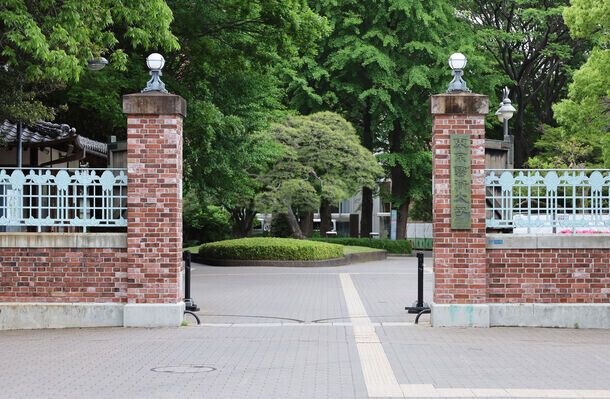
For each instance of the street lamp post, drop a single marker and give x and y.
(506, 110)
(504, 113)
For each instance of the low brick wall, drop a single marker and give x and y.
(548, 269)
(548, 276)
(63, 267)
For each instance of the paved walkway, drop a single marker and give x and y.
(337, 332)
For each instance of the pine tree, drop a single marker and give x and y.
(322, 162)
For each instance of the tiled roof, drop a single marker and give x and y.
(47, 132)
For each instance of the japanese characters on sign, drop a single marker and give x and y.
(460, 181)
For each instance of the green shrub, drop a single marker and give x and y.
(259, 248)
(210, 223)
(393, 247)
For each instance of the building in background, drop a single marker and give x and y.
(50, 145)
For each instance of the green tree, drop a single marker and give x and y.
(589, 19)
(531, 45)
(322, 163)
(204, 223)
(582, 138)
(46, 44)
(378, 68)
(228, 67)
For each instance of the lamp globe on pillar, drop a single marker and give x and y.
(155, 63)
(457, 62)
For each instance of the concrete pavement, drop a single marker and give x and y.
(337, 332)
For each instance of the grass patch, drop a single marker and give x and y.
(353, 249)
(194, 250)
(267, 248)
(393, 247)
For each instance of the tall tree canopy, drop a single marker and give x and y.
(531, 44)
(322, 163)
(229, 66)
(378, 68)
(582, 138)
(45, 44)
(233, 54)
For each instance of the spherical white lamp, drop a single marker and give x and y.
(457, 61)
(155, 62)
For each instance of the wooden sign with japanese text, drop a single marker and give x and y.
(460, 181)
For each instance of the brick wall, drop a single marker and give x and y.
(459, 255)
(63, 275)
(548, 275)
(154, 227)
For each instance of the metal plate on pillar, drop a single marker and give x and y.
(460, 181)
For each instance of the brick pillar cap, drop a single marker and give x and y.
(154, 103)
(459, 104)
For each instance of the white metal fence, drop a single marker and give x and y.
(56, 199)
(548, 201)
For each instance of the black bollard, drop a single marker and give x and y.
(419, 306)
(188, 301)
(420, 279)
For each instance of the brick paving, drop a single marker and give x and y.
(286, 333)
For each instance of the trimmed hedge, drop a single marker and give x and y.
(393, 247)
(268, 248)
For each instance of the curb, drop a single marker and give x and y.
(413, 254)
(345, 260)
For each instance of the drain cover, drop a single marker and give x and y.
(193, 368)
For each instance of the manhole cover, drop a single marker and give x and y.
(183, 369)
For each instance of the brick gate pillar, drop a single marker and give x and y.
(458, 148)
(154, 209)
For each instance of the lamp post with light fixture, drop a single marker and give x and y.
(504, 113)
(506, 110)
(155, 63)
